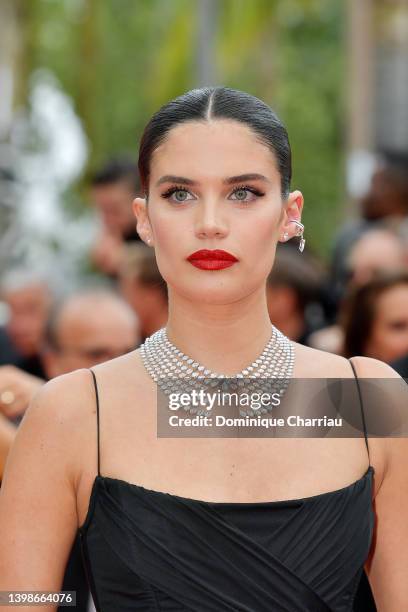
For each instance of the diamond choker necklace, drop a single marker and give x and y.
(173, 371)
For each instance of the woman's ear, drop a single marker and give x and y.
(292, 211)
(142, 220)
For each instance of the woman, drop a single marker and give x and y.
(374, 318)
(182, 524)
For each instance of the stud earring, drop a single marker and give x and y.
(285, 236)
(301, 228)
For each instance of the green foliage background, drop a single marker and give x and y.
(119, 60)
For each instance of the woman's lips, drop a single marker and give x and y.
(212, 260)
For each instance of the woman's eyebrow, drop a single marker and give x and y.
(253, 176)
(246, 177)
(170, 178)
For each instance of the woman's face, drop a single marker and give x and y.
(214, 186)
(389, 337)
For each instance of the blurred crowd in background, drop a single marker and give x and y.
(78, 80)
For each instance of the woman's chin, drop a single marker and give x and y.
(214, 293)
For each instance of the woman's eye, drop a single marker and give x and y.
(245, 195)
(178, 195)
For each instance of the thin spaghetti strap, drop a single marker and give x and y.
(97, 419)
(362, 410)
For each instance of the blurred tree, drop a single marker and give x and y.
(311, 97)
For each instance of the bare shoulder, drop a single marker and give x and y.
(128, 367)
(61, 402)
(314, 363)
(368, 367)
(69, 401)
(121, 379)
(392, 391)
(384, 398)
(387, 396)
(119, 387)
(56, 415)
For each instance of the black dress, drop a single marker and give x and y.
(148, 551)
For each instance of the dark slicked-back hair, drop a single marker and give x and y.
(210, 103)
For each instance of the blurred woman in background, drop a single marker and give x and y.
(374, 318)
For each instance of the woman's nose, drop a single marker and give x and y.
(210, 220)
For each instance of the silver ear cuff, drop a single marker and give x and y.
(300, 231)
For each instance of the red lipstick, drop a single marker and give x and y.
(212, 260)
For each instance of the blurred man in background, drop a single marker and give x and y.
(384, 206)
(85, 329)
(113, 189)
(28, 298)
(388, 193)
(88, 328)
(377, 250)
(294, 293)
(143, 287)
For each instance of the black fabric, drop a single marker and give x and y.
(75, 578)
(147, 550)
(364, 600)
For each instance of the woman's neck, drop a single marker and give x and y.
(225, 338)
